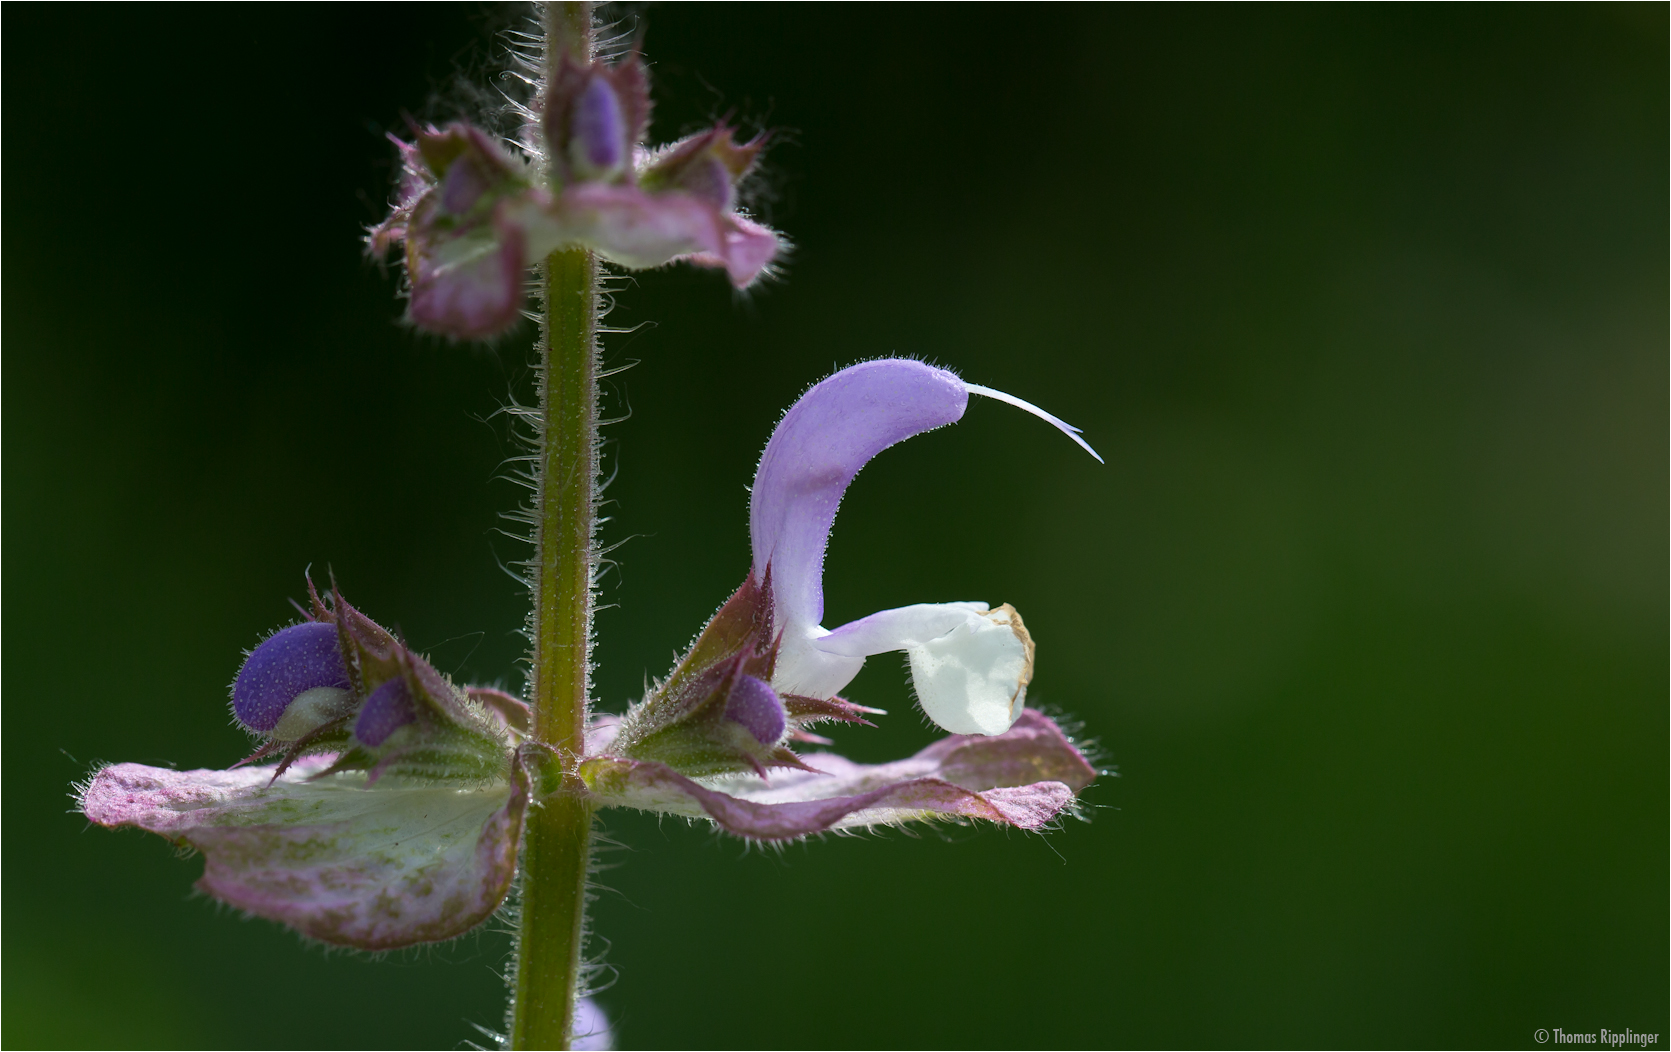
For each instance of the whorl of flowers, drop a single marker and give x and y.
(394, 812)
(475, 213)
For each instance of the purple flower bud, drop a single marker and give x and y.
(389, 707)
(755, 706)
(291, 661)
(595, 114)
(598, 145)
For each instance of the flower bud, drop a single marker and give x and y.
(473, 216)
(598, 146)
(465, 266)
(388, 708)
(486, 165)
(289, 666)
(755, 706)
(452, 738)
(342, 685)
(595, 115)
(463, 186)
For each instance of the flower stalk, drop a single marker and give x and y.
(557, 846)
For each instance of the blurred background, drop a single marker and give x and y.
(1365, 306)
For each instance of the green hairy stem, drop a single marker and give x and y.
(557, 844)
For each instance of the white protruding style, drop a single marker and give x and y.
(970, 663)
(1021, 403)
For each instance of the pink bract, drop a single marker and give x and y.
(375, 869)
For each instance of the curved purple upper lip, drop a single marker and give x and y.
(818, 448)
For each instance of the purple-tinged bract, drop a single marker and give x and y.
(375, 869)
(292, 660)
(1025, 778)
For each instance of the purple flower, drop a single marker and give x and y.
(970, 661)
(474, 216)
(395, 813)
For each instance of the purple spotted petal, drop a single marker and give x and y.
(291, 660)
(757, 707)
(818, 447)
(1024, 778)
(376, 869)
(389, 707)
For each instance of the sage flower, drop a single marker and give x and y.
(394, 812)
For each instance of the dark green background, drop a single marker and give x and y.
(1365, 306)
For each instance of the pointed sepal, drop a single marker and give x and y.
(414, 722)
(707, 165)
(717, 712)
